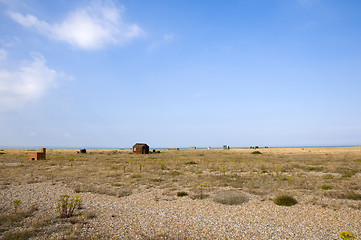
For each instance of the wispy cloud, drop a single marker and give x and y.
(165, 38)
(91, 27)
(28, 83)
(7, 41)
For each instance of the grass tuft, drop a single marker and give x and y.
(326, 187)
(352, 196)
(191, 163)
(256, 152)
(182, 194)
(285, 200)
(19, 234)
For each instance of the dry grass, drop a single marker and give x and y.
(321, 172)
(100, 171)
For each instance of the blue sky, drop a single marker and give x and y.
(180, 73)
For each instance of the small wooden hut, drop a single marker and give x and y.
(140, 148)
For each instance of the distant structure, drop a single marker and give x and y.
(82, 150)
(225, 147)
(140, 148)
(192, 147)
(38, 155)
(173, 148)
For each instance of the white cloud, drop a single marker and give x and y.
(3, 54)
(91, 27)
(28, 83)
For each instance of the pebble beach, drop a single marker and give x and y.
(153, 214)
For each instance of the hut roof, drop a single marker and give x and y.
(140, 145)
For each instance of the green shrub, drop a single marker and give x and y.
(347, 235)
(328, 176)
(285, 200)
(67, 205)
(175, 173)
(182, 194)
(352, 196)
(315, 168)
(256, 152)
(191, 162)
(326, 187)
(16, 204)
(136, 176)
(348, 174)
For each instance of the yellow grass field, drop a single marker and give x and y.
(327, 177)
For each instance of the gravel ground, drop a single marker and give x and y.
(154, 214)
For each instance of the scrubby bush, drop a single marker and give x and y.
(352, 196)
(67, 205)
(256, 152)
(326, 187)
(136, 176)
(16, 204)
(191, 162)
(285, 200)
(182, 194)
(347, 235)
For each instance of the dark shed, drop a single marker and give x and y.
(140, 148)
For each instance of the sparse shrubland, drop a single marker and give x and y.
(329, 173)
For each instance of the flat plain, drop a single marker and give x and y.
(182, 194)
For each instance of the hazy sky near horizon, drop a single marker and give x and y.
(110, 73)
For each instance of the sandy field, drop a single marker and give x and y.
(182, 194)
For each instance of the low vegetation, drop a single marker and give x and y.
(322, 173)
(256, 152)
(67, 205)
(285, 200)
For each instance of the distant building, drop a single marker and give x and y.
(226, 147)
(38, 155)
(192, 147)
(140, 148)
